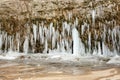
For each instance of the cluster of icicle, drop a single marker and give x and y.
(41, 34)
(67, 40)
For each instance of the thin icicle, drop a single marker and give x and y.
(26, 45)
(93, 17)
(35, 32)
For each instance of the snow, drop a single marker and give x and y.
(114, 60)
(63, 57)
(10, 55)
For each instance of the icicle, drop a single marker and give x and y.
(41, 34)
(106, 51)
(6, 42)
(32, 43)
(76, 22)
(46, 46)
(11, 43)
(53, 37)
(58, 46)
(69, 15)
(63, 30)
(67, 27)
(51, 30)
(82, 29)
(1, 42)
(67, 45)
(89, 41)
(53, 41)
(99, 49)
(35, 32)
(26, 45)
(93, 17)
(18, 42)
(78, 47)
(62, 46)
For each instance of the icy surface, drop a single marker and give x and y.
(114, 60)
(10, 55)
(60, 59)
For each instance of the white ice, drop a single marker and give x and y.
(114, 60)
(11, 55)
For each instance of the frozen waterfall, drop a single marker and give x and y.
(78, 39)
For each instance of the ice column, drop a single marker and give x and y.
(75, 36)
(26, 45)
(0, 42)
(35, 32)
(93, 17)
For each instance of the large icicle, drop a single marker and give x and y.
(78, 46)
(26, 45)
(35, 32)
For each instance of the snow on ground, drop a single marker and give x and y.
(114, 60)
(62, 57)
(10, 55)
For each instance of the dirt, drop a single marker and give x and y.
(10, 70)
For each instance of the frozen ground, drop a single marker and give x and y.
(56, 66)
(62, 58)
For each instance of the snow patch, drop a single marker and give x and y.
(114, 60)
(10, 55)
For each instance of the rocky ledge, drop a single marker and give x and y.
(52, 9)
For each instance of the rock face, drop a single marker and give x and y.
(97, 21)
(38, 8)
(48, 9)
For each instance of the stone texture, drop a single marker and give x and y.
(49, 9)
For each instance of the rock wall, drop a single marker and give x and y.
(18, 16)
